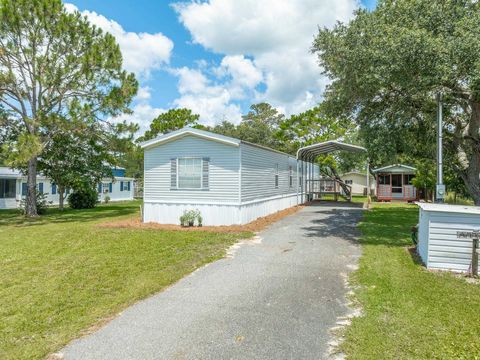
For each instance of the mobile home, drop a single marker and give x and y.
(13, 187)
(228, 180)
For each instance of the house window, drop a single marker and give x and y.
(384, 179)
(106, 188)
(7, 188)
(124, 186)
(290, 174)
(407, 179)
(276, 176)
(189, 172)
(349, 182)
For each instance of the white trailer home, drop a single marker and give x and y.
(13, 187)
(228, 180)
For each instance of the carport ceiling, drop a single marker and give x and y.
(311, 151)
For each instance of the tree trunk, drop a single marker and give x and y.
(467, 146)
(472, 181)
(61, 196)
(31, 199)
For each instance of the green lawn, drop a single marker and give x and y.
(61, 274)
(409, 313)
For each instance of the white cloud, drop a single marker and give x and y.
(212, 102)
(142, 52)
(143, 93)
(276, 34)
(142, 114)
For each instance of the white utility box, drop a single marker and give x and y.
(445, 235)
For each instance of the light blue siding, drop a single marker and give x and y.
(223, 171)
(259, 167)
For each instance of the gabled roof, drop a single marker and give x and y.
(395, 168)
(190, 131)
(310, 151)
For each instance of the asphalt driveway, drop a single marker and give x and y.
(274, 298)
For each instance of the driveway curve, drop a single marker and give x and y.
(274, 298)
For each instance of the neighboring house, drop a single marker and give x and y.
(394, 182)
(13, 187)
(358, 182)
(230, 181)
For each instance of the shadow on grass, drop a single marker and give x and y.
(338, 219)
(54, 215)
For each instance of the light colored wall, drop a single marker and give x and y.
(359, 182)
(445, 250)
(439, 246)
(116, 194)
(258, 173)
(422, 246)
(223, 172)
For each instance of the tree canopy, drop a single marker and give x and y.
(169, 121)
(55, 68)
(386, 68)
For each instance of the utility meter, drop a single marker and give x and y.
(440, 193)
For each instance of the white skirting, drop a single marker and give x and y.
(216, 214)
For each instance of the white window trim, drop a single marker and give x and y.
(201, 173)
(107, 188)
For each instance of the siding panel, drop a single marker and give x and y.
(445, 250)
(259, 170)
(222, 178)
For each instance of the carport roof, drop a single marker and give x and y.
(313, 150)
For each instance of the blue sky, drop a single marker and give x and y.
(217, 57)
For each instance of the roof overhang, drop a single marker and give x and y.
(311, 151)
(174, 135)
(395, 168)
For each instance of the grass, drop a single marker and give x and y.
(61, 274)
(450, 198)
(409, 312)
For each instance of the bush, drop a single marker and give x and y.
(41, 204)
(85, 198)
(188, 218)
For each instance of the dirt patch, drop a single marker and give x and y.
(254, 226)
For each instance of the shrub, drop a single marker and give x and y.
(85, 198)
(41, 204)
(189, 216)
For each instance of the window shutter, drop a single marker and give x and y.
(54, 188)
(173, 173)
(40, 188)
(128, 185)
(99, 187)
(121, 185)
(110, 187)
(205, 170)
(24, 189)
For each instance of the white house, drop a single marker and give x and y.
(358, 181)
(13, 187)
(230, 181)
